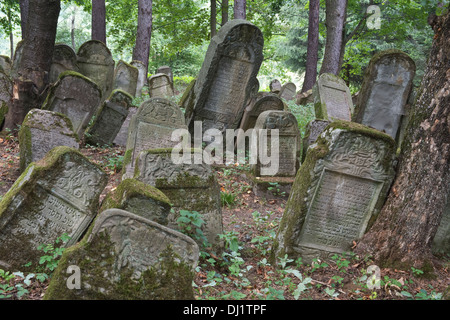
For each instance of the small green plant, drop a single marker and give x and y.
(191, 223)
(416, 272)
(53, 252)
(275, 188)
(227, 198)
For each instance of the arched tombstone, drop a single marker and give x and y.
(126, 77)
(142, 76)
(64, 59)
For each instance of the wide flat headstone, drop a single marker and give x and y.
(166, 70)
(227, 77)
(441, 241)
(312, 131)
(122, 136)
(188, 185)
(75, 96)
(385, 90)
(5, 64)
(41, 131)
(64, 59)
(56, 195)
(126, 77)
(337, 193)
(151, 127)
(159, 86)
(109, 118)
(128, 257)
(288, 91)
(95, 62)
(142, 76)
(332, 98)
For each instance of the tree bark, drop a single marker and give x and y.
(224, 11)
(313, 46)
(29, 89)
(141, 51)
(213, 17)
(239, 9)
(403, 233)
(24, 5)
(98, 20)
(335, 20)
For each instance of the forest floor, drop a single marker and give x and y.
(242, 271)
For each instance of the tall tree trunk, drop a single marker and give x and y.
(30, 86)
(403, 233)
(141, 51)
(224, 11)
(335, 19)
(72, 31)
(313, 46)
(213, 17)
(24, 5)
(98, 21)
(239, 9)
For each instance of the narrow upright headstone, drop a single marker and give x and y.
(64, 59)
(57, 195)
(75, 96)
(188, 95)
(126, 77)
(332, 98)
(288, 91)
(338, 192)
(16, 59)
(95, 62)
(41, 131)
(127, 257)
(227, 77)
(385, 90)
(275, 86)
(166, 70)
(6, 88)
(151, 127)
(109, 119)
(5, 64)
(142, 76)
(159, 86)
(263, 102)
(122, 136)
(312, 131)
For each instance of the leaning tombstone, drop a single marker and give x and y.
(227, 77)
(166, 70)
(441, 241)
(75, 96)
(109, 119)
(332, 98)
(126, 77)
(16, 59)
(41, 131)
(288, 91)
(95, 62)
(275, 86)
(6, 89)
(312, 131)
(55, 196)
(384, 93)
(190, 185)
(64, 59)
(122, 136)
(159, 86)
(338, 192)
(188, 95)
(5, 64)
(151, 127)
(125, 256)
(142, 76)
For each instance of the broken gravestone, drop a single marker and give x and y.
(188, 185)
(41, 131)
(125, 256)
(338, 192)
(151, 127)
(385, 90)
(142, 76)
(126, 77)
(64, 59)
(109, 119)
(227, 77)
(6, 88)
(55, 196)
(75, 96)
(275, 86)
(312, 131)
(166, 70)
(160, 86)
(332, 98)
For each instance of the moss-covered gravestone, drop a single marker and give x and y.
(150, 128)
(64, 59)
(385, 90)
(189, 186)
(75, 96)
(441, 241)
(332, 98)
(139, 198)
(338, 192)
(142, 76)
(126, 77)
(122, 136)
(312, 131)
(41, 131)
(160, 86)
(109, 119)
(126, 257)
(57, 195)
(6, 88)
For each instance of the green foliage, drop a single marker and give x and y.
(53, 252)
(190, 223)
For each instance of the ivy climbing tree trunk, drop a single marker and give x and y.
(313, 46)
(141, 51)
(404, 231)
(98, 20)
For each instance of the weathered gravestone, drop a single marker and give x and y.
(188, 96)
(139, 198)
(288, 91)
(338, 192)
(142, 76)
(75, 96)
(332, 98)
(188, 185)
(151, 127)
(95, 62)
(126, 77)
(441, 241)
(160, 86)
(64, 59)
(16, 59)
(41, 131)
(166, 70)
(5, 64)
(57, 195)
(312, 131)
(127, 257)
(109, 119)
(275, 86)
(385, 90)
(227, 77)
(6, 88)
(264, 101)
(122, 136)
